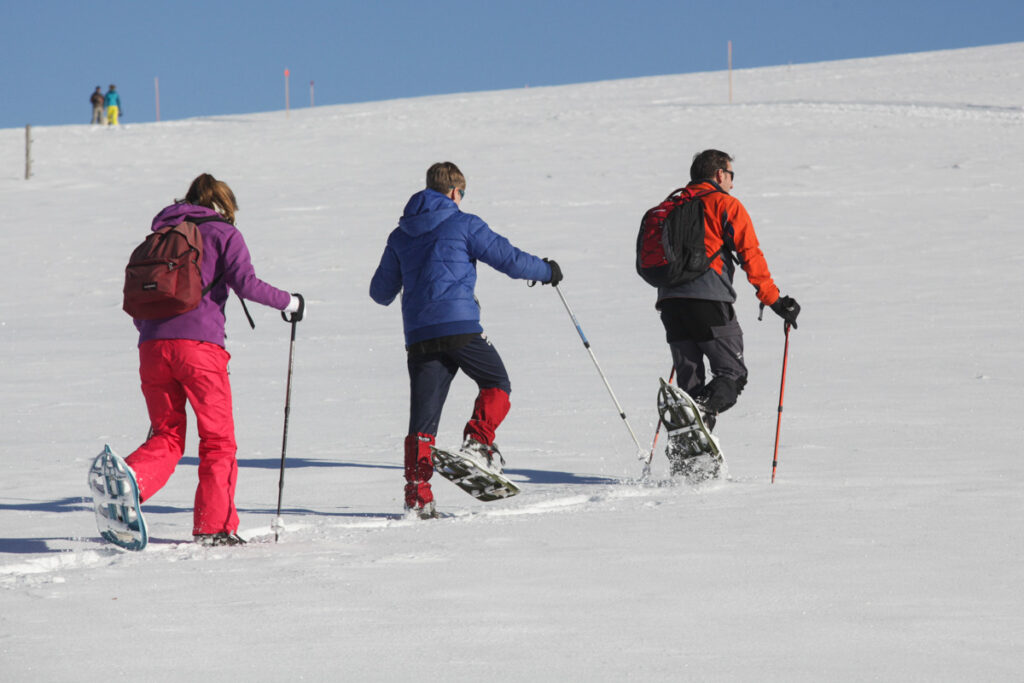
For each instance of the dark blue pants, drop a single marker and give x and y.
(431, 374)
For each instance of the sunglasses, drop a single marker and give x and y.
(732, 176)
(462, 193)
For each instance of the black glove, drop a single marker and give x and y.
(296, 315)
(787, 308)
(556, 273)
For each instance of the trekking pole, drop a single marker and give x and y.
(782, 391)
(278, 525)
(657, 430)
(639, 449)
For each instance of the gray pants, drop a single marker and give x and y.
(98, 115)
(697, 330)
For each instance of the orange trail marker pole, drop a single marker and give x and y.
(287, 108)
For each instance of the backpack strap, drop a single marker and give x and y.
(720, 251)
(207, 288)
(200, 221)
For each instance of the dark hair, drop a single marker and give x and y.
(707, 162)
(444, 177)
(214, 194)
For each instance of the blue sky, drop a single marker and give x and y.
(220, 57)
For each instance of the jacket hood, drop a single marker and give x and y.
(424, 211)
(176, 213)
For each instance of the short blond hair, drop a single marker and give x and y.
(444, 177)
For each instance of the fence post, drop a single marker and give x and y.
(28, 152)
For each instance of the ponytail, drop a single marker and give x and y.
(213, 194)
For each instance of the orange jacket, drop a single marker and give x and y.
(727, 226)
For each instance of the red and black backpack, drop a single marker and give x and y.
(670, 246)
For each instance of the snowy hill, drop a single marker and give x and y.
(887, 195)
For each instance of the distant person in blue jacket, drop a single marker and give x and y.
(432, 256)
(113, 104)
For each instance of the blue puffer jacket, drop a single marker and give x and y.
(432, 255)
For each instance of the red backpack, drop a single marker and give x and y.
(670, 246)
(164, 277)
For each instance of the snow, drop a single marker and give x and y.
(886, 193)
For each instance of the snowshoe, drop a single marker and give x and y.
(471, 473)
(692, 451)
(115, 500)
(220, 538)
(428, 511)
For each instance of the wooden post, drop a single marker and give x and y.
(287, 109)
(156, 84)
(730, 72)
(28, 152)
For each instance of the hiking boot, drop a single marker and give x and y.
(486, 456)
(426, 511)
(220, 538)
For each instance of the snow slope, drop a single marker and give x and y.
(887, 194)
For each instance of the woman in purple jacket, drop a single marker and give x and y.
(182, 358)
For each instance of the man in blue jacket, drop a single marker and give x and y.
(432, 256)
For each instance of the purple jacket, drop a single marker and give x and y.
(224, 251)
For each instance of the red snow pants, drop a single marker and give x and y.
(174, 371)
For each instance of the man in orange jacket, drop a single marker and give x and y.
(698, 315)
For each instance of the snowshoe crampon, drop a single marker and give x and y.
(692, 451)
(115, 499)
(470, 476)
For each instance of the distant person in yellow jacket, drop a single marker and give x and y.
(113, 102)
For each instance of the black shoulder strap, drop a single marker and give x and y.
(721, 250)
(200, 221)
(207, 288)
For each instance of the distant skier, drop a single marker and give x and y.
(182, 358)
(432, 256)
(97, 100)
(112, 101)
(698, 315)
